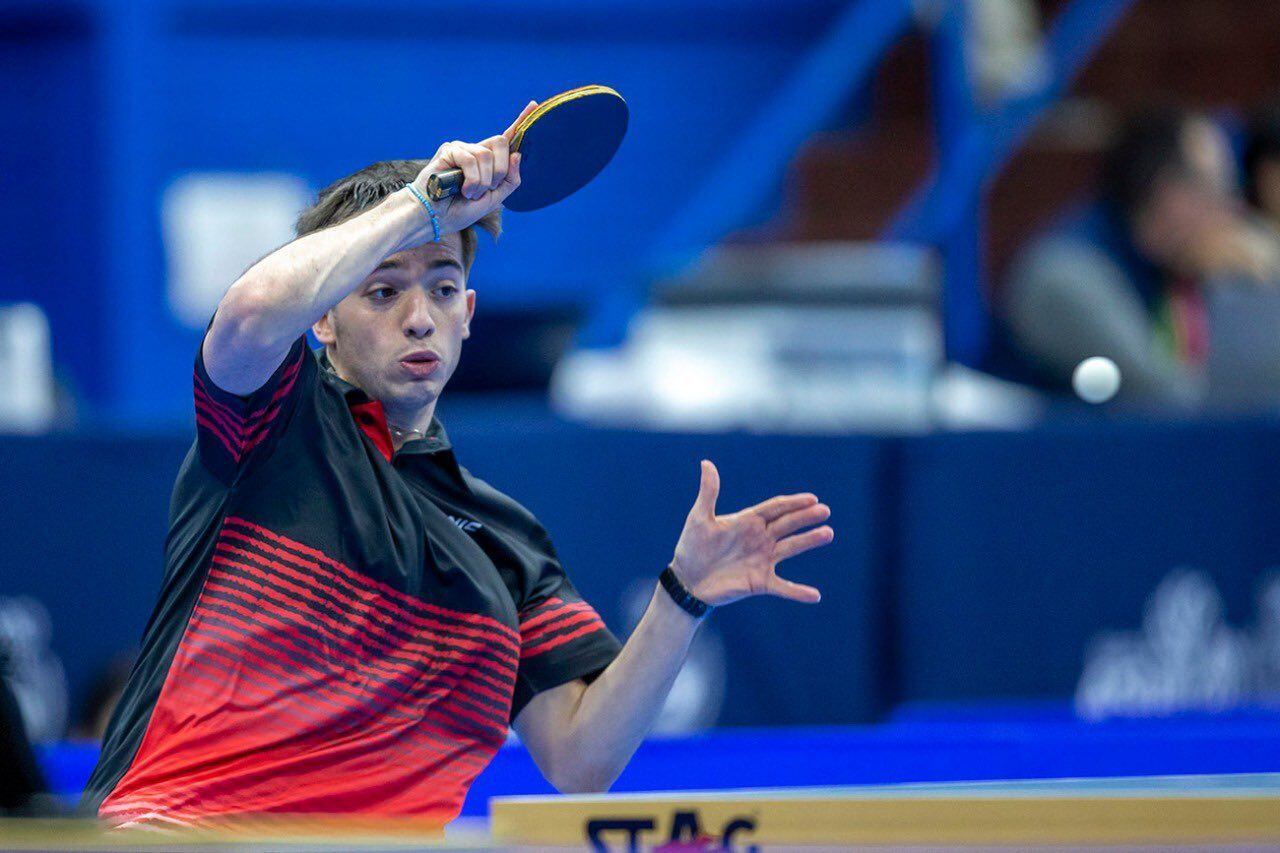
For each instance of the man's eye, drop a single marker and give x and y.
(446, 290)
(382, 293)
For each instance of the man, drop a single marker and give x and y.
(349, 619)
(1262, 165)
(1125, 278)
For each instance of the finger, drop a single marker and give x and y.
(511, 181)
(484, 159)
(510, 132)
(793, 521)
(466, 161)
(783, 588)
(781, 505)
(708, 489)
(801, 542)
(501, 149)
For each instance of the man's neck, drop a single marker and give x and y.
(404, 425)
(407, 426)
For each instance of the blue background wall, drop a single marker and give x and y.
(114, 99)
(973, 566)
(969, 565)
(1017, 548)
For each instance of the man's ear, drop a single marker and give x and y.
(471, 311)
(323, 329)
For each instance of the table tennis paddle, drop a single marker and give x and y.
(564, 143)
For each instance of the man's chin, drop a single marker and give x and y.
(413, 393)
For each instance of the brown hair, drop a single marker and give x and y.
(350, 196)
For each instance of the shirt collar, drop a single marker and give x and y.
(433, 440)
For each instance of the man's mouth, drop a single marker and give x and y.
(420, 364)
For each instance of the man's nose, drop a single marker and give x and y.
(418, 322)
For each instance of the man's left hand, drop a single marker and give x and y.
(722, 558)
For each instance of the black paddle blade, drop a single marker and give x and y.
(566, 142)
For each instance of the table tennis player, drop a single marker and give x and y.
(349, 620)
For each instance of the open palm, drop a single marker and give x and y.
(722, 558)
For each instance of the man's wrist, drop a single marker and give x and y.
(670, 618)
(409, 213)
(681, 595)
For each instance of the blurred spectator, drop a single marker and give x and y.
(104, 693)
(1262, 164)
(1005, 49)
(21, 783)
(1126, 277)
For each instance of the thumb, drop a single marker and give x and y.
(510, 132)
(708, 489)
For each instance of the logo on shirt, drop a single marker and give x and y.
(465, 524)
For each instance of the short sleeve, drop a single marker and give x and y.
(233, 432)
(562, 638)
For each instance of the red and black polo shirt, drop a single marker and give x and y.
(342, 628)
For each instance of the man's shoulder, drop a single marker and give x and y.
(498, 502)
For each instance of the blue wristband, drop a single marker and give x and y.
(431, 211)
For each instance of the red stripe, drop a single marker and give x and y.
(442, 741)
(309, 715)
(306, 585)
(223, 407)
(372, 614)
(337, 709)
(556, 642)
(240, 618)
(423, 685)
(237, 440)
(286, 382)
(574, 620)
(245, 431)
(257, 439)
(399, 691)
(459, 768)
(297, 676)
(241, 649)
(502, 681)
(338, 694)
(204, 404)
(417, 670)
(549, 601)
(212, 430)
(552, 616)
(529, 611)
(241, 433)
(486, 626)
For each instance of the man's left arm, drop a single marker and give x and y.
(581, 735)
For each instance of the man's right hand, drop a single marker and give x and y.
(490, 173)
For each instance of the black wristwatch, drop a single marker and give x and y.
(689, 603)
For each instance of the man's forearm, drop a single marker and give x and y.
(617, 710)
(282, 295)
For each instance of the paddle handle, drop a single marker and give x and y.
(442, 185)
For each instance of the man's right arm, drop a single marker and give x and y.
(281, 296)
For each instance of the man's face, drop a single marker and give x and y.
(398, 336)
(1190, 200)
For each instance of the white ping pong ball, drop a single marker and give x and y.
(1096, 379)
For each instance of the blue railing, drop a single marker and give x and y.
(974, 139)
(747, 177)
